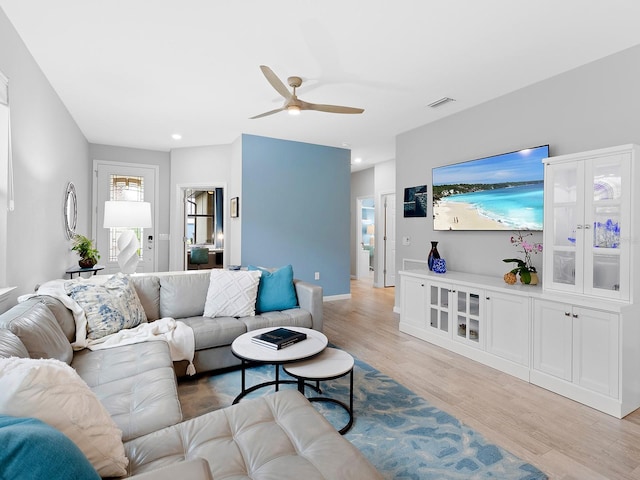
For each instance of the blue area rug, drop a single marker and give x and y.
(398, 431)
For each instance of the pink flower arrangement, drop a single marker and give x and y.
(525, 267)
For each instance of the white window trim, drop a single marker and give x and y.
(6, 195)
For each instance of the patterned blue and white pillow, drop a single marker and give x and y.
(109, 307)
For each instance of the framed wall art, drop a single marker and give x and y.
(415, 201)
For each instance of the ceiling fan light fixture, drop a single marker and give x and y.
(293, 110)
(292, 104)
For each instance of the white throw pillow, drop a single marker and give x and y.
(52, 391)
(109, 307)
(232, 293)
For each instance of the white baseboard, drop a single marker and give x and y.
(333, 298)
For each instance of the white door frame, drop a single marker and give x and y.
(387, 235)
(380, 220)
(154, 170)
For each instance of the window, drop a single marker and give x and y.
(201, 217)
(131, 189)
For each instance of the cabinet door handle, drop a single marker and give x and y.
(575, 315)
(567, 314)
(587, 226)
(579, 227)
(488, 298)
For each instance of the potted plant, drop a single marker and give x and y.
(526, 270)
(84, 247)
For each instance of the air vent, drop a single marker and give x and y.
(440, 102)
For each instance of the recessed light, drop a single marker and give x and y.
(176, 136)
(357, 160)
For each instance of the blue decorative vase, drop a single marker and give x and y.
(439, 265)
(433, 255)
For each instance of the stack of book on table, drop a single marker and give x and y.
(278, 338)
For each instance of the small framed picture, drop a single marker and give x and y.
(235, 206)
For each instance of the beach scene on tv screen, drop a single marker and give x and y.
(502, 192)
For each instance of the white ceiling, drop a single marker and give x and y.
(133, 72)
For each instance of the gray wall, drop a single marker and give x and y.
(49, 150)
(593, 106)
(145, 157)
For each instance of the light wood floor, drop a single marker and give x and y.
(563, 438)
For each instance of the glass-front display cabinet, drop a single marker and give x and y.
(439, 310)
(587, 226)
(468, 316)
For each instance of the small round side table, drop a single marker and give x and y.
(329, 365)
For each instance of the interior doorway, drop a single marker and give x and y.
(203, 234)
(366, 238)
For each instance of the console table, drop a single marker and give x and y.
(80, 270)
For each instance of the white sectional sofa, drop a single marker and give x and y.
(277, 436)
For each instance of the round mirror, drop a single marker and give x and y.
(70, 211)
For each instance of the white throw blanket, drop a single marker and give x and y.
(178, 335)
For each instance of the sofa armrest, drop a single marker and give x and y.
(196, 469)
(310, 299)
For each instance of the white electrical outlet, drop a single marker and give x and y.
(317, 276)
(406, 241)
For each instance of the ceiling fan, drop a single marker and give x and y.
(292, 103)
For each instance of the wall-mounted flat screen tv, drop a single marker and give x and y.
(501, 192)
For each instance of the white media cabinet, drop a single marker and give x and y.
(579, 336)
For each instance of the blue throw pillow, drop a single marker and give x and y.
(276, 290)
(31, 449)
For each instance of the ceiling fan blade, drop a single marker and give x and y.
(267, 113)
(330, 108)
(275, 82)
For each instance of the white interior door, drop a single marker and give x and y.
(390, 240)
(124, 181)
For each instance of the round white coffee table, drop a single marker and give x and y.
(328, 365)
(249, 352)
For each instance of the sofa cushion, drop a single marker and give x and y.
(183, 294)
(53, 392)
(232, 293)
(11, 346)
(295, 317)
(196, 469)
(142, 403)
(109, 307)
(276, 290)
(38, 330)
(148, 290)
(103, 366)
(63, 315)
(33, 449)
(215, 332)
(279, 436)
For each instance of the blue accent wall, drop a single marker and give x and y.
(295, 209)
